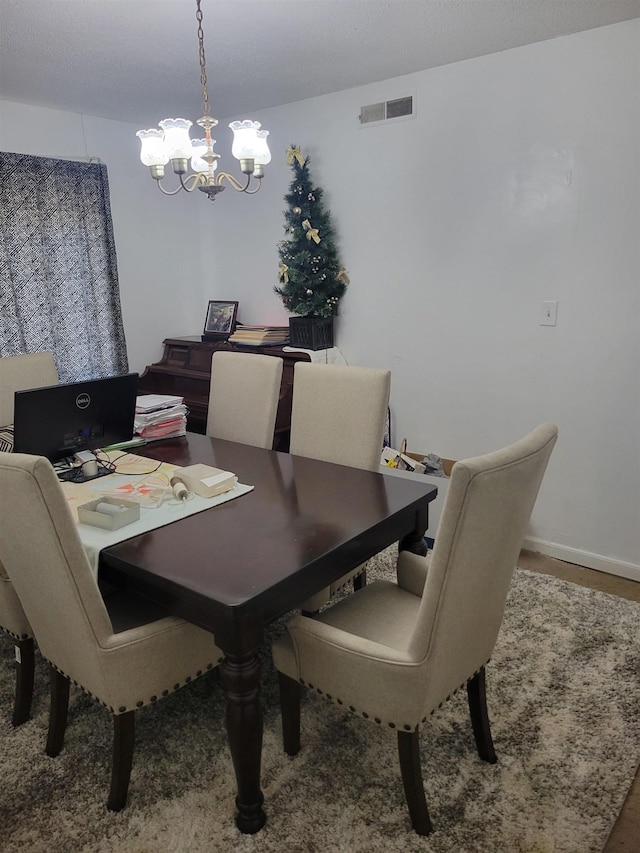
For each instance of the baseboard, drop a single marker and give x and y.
(631, 571)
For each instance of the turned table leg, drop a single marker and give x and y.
(241, 682)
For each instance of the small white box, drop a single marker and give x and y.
(205, 480)
(109, 513)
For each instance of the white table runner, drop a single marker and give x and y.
(139, 487)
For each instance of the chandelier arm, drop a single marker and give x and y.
(253, 192)
(193, 180)
(234, 183)
(167, 192)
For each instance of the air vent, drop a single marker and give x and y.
(387, 110)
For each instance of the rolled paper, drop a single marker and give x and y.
(180, 490)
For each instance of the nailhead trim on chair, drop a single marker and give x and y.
(350, 581)
(405, 726)
(16, 636)
(140, 703)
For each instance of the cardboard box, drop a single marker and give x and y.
(447, 464)
(442, 484)
(400, 461)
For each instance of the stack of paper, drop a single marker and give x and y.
(160, 416)
(259, 336)
(152, 402)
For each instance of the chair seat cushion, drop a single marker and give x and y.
(360, 614)
(373, 627)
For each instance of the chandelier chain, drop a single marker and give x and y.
(203, 68)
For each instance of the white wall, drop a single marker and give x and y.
(517, 181)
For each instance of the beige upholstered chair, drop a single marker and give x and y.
(338, 415)
(117, 650)
(19, 373)
(243, 397)
(393, 653)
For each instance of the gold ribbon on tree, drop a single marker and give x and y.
(283, 273)
(295, 153)
(342, 276)
(312, 233)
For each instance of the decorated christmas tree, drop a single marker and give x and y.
(312, 280)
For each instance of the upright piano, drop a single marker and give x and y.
(185, 370)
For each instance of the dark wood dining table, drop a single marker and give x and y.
(236, 567)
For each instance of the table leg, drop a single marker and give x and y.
(414, 541)
(240, 676)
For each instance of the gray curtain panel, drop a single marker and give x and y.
(58, 274)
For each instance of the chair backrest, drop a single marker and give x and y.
(243, 397)
(338, 413)
(47, 564)
(484, 519)
(20, 373)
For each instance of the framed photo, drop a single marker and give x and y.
(221, 320)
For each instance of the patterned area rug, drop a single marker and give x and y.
(564, 699)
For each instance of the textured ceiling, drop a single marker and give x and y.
(137, 60)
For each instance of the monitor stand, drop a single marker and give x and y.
(77, 475)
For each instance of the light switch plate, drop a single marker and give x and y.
(549, 312)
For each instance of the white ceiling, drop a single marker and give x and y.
(137, 60)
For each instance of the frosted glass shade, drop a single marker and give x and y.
(245, 139)
(177, 142)
(152, 150)
(263, 155)
(199, 149)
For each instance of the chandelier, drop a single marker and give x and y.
(172, 142)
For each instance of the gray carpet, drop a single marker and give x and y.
(564, 698)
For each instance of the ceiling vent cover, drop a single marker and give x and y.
(387, 110)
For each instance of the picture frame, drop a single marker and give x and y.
(221, 320)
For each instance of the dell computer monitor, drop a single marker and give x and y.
(60, 420)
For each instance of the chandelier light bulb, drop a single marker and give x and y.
(200, 148)
(152, 150)
(176, 138)
(245, 139)
(263, 155)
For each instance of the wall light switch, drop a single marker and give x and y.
(549, 312)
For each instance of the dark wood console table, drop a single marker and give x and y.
(185, 369)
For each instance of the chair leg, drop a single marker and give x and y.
(290, 692)
(25, 667)
(477, 695)
(57, 712)
(360, 581)
(123, 743)
(409, 752)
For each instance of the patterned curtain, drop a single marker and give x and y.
(58, 275)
